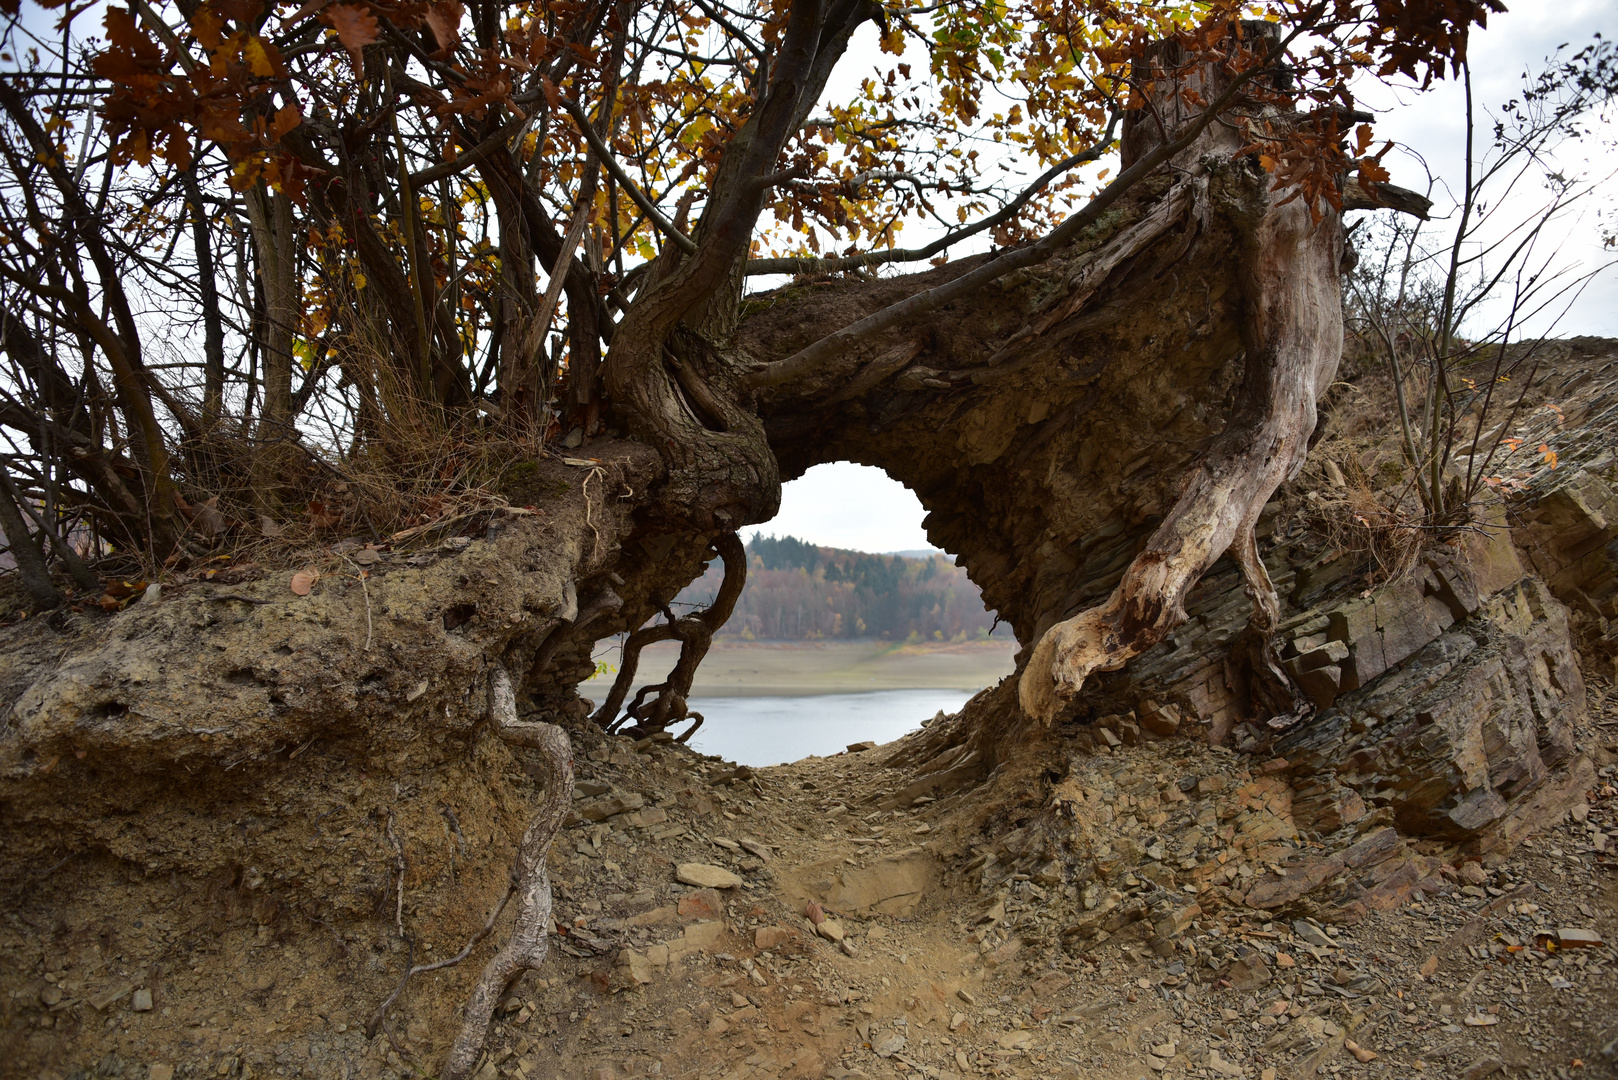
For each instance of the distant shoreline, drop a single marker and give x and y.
(739, 668)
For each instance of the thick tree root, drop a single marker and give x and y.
(1293, 339)
(531, 880)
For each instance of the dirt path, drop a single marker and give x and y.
(927, 964)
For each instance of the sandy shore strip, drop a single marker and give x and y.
(790, 668)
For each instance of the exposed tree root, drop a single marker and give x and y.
(695, 633)
(1275, 697)
(530, 877)
(1293, 340)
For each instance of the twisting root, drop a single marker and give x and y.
(695, 633)
(399, 865)
(531, 879)
(1276, 698)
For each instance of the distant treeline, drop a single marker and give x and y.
(797, 591)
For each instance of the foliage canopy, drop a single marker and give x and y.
(247, 247)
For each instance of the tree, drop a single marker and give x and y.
(386, 182)
(1462, 321)
(438, 256)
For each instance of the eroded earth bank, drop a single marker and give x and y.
(1418, 877)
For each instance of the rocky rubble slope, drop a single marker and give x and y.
(928, 962)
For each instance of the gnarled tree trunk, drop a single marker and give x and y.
(1091, 423)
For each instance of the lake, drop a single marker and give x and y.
(772, 730)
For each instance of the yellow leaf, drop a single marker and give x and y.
(258, 61)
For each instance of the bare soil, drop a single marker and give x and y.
(938, 976)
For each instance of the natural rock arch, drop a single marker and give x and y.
(1147, 374)
(1092, 420)
(1088, 438)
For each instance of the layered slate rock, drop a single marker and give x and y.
(1454, 740)
(1446, 702)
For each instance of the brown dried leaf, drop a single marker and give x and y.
(322, 516)
(286, 118)
(303, 581)
(209, 521)
(444, 20)
(356, 28)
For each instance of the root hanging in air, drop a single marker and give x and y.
(667, 700)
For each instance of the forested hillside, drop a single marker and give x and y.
(797, 591)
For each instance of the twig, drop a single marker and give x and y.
(366, 589)
(595, 552)
(454, 825)
(381, 1013)
(399, 861)
(419, 969)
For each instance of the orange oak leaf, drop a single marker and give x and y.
(286, 118)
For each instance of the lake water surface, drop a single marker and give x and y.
(772, 730)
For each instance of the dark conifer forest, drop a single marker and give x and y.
(798, 591)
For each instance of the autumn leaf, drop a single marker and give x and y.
(286, 118)
(258, 60)
(321, 516)
(124, 36)
(208, 27)
(209, 521)
(356, 28)
(444, 20)
(1372, 172)
(303, 581)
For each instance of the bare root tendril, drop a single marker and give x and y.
(667, 705)
(528, 944)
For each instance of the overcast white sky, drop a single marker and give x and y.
(853, 506)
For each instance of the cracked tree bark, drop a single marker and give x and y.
(1293, 341)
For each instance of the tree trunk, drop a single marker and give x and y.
(271, 215)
